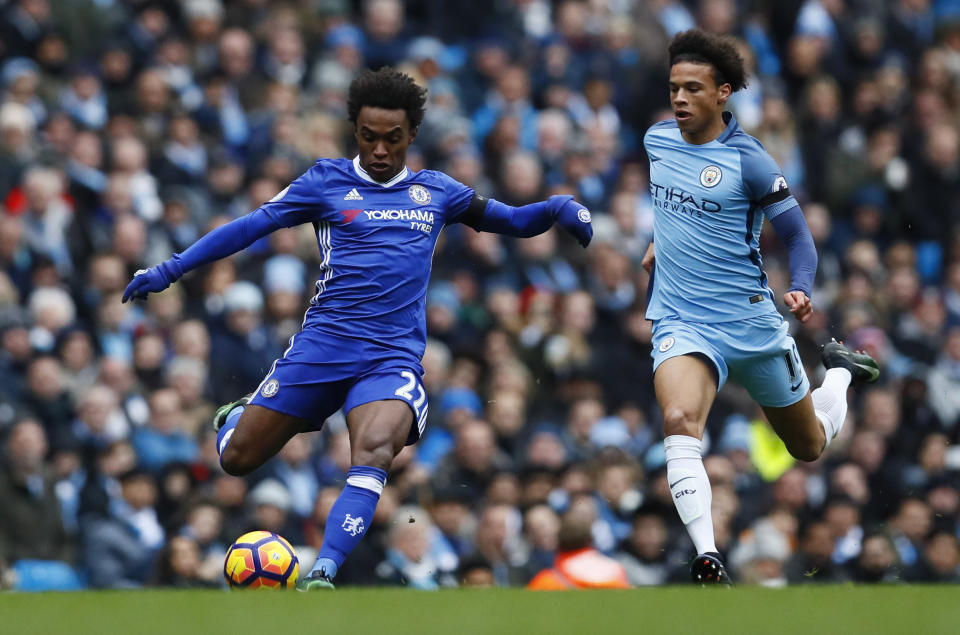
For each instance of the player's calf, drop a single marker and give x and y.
(808, 448)
(250, 435)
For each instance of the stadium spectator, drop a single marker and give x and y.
(32, 525)
(473, 462)
(877, 562)
(162, 440)
(180, 565)
(119, 548)
(410, 560)
(270, 506)
(644, 553)
(577, 564)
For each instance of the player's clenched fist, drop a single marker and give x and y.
(573, 217)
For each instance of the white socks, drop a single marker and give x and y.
(690, 489)
(830, 401)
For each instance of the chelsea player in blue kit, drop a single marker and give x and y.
(713, 314)
(364, 332)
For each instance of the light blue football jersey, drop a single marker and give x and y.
(709, 203)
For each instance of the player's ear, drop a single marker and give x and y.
(725, 90)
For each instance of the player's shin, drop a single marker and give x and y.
(350, 517)
(830, 401)
(690, 489)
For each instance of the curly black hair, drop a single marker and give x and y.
(706, 48)
(387, 88)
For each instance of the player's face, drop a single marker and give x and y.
(383, 136)
(697, 101)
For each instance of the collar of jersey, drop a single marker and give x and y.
(731, 126)
(728, 132)
(366, 177)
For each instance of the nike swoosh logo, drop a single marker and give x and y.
(654, 159)
(680, 481)
(794, 388)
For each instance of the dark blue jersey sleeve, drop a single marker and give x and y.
(298, 203)
(792, 229)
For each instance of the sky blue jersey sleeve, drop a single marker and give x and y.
(766, 188)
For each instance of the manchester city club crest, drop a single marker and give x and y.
(419, 194)
(710, 176)
(667, 344)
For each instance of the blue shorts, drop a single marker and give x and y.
(758, 353)
(320, 373)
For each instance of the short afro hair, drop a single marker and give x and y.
(700, 47)
(390, 89)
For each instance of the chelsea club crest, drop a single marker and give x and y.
(270, 388)
(419, 194)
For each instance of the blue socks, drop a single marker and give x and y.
(226, 430)
(350, 516)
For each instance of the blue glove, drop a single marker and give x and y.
(573, 217)
(153, 280)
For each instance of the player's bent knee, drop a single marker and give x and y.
(679, 421)
(235, 463)
(380, 456)
(807, 450)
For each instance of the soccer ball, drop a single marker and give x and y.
(261, 560)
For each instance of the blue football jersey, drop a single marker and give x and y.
(709, 203)
(376, 245)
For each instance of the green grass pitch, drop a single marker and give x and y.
(912, 610)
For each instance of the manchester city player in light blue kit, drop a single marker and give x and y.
(364, 332)
(713, 314)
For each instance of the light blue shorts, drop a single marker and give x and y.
(758, 353)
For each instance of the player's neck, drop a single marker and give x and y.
(707, 134)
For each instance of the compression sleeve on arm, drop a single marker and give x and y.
(222, 242)
(522, 222)
(792, 230)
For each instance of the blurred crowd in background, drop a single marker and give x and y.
(130, 128)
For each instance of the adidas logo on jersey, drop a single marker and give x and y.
(353, 195)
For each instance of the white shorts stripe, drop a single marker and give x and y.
(324, 240)
(422, 421)
(226, 440)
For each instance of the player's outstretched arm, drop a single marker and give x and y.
(221, 242)
(536, 218)
(791, 228)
